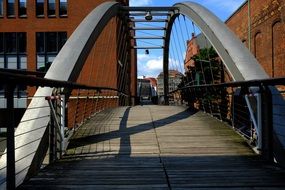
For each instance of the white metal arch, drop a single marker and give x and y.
(239, 61)
(31, 138)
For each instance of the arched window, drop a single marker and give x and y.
(257, 45)
(277, 50)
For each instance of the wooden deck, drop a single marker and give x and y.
(157, 147)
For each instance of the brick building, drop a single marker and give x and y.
(267, 32)
(193, 48)
(174, 80)
(32, 32)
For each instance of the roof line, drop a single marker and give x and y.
(238, 9)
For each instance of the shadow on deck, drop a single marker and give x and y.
(157, 147)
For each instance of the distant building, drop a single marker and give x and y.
(193, 48)
(147, 88)
(153, 84)
(144, 90)
(266, 31)
(175, 77)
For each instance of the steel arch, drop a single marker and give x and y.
(239, 61)
(31, 136)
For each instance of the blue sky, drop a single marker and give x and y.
(151, 65)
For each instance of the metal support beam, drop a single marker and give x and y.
(9, 90)
(153, 14)
(267, 123)
(62, 120)
(256, 120)
(149, 37)
(144, 20)
(241, 64)
(150, 47)
(147, 28)
(159, 9)
(52, 139)
(167, 35)
(54, 117)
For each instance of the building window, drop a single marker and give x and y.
(10, 42)
(13, 55)
(22, 8)
(63, 7)
(51, 38)
(1, 43)
(2, 62)
(13, 50)
(1, 8)
(22, 42)
(11, 8)
(48, 46)
(40, 42)
(51, 8)
(40, 4)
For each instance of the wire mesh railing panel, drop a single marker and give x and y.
(207, 85)
(59, 107)
(255, 109)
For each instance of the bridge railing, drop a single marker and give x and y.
(252, 108)
(67, 108)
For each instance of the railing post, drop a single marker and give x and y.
(267, 123)
(62, 120)
(52, 138)
(9, 90)
(56, 127)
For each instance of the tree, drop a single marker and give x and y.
(208, 69)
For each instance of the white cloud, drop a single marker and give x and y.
(144, 57)
(155, 64)
(151, 65)
(137, 3)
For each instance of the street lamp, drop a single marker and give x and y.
(148, 16)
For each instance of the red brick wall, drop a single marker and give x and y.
(192, 50)
(267, 33)
(100, 68)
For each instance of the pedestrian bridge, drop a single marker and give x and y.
(81, 128)
(157, 147)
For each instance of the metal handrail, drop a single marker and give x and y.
(250, 83)
(247, 106)
(23, 79)
(22, 71)
(10, 79)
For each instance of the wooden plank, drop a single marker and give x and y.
(157, 147)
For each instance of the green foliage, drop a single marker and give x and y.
(207, 68)
(206, 54)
